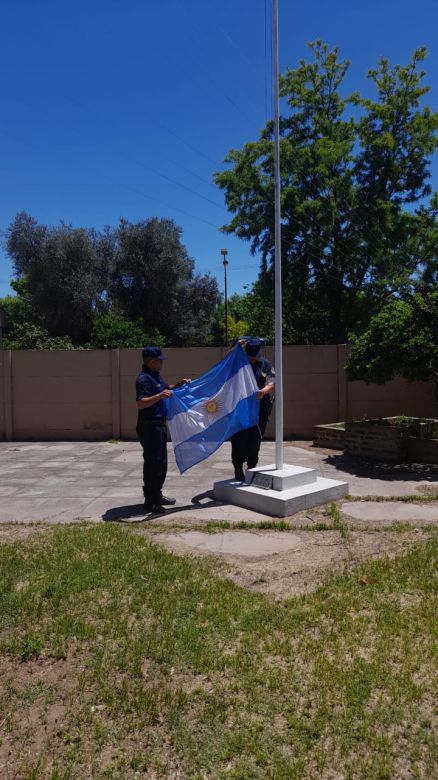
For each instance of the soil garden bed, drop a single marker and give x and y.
(396, 439)
(331, 436)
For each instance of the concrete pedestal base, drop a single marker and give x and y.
(280, 493)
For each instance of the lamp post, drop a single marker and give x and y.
(224, 253)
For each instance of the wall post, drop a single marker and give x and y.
(7, 394)
(342, 383)
(115, 392)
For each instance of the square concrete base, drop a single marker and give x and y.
(285, 478)
(293, 489)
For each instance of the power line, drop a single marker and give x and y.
(285, 230)
(236, 47)
(53, 117)
(113, 180)
(359, 206)
(311, 187)
(200, 68)
(176, 163)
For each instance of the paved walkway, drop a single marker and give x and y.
(68, 481)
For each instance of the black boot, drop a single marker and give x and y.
(166, 500)
(239, 476)
(153, 509)
(152, 504)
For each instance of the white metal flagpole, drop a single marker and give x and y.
(278, 290)
(277, 501)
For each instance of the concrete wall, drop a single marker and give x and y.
(89, 395)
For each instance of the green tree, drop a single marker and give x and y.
(65, 273)
(70, 277)
(401, 340)
(153, 280)
(237, 325)
(351, 171)
(17, 307)
(112, 330)
(23, 330)
(31, 336)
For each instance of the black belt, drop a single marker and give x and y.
(155, 421)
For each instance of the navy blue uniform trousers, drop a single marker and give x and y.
(245, 445)
(153, 439)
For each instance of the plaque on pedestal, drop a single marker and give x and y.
(263, 481)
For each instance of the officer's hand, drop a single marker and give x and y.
(182, 382)
(165, 393)
(259, 394)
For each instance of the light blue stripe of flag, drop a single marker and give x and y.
(204, 414)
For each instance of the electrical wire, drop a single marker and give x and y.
(173, 162)
(287, 231)
(130, 159)
(113, 180)
(301, 223)
(363, 206)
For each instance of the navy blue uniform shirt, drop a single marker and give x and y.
(151, 383)
(264, 374)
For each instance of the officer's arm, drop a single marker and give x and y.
(268, 388)
(143, 403)
(270, 384)
(180, 383)
(265, 390)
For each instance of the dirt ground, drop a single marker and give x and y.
(40, 717)
(316, 553)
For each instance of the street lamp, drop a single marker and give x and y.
(224, 253)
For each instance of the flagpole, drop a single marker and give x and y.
(278, 290)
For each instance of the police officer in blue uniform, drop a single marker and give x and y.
(152, 392)
(245, 445)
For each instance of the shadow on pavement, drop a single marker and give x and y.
(390, 472)
(123, 514)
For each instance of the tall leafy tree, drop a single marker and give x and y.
(133, 282)
(17, 308)
(153, 280)
(65, 274)
(237, 307)
(352, 171)
(30, 336)
(111, 330)
(401, 340)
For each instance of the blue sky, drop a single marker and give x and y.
(114, 109)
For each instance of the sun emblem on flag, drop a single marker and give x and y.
(212, 406)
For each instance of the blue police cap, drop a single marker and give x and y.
(253, 346)
(153, 352)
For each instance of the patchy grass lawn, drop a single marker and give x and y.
(121, 660)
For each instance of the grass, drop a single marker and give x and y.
(243, 525)
(121, 660)
(334, 512)
(428, 498)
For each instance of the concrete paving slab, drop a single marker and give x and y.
(91, 466)
(391, 511)
(62, 491)
(8, 490)
(250, 545)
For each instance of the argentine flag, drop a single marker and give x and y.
(204, 414)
